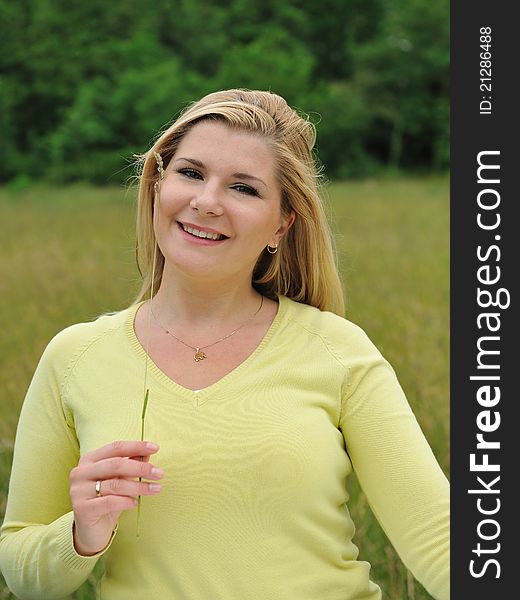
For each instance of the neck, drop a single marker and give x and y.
(195, 303)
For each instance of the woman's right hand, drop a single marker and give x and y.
(116, 466)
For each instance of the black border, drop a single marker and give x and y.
(472, 133)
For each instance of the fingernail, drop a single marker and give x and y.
(152, 446)
(156, 472)
(154, 487)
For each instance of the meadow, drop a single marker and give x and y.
(68, 255)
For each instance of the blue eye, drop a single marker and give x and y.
(191, 173)
(245, 189)
(239, 187)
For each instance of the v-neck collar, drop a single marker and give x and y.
(200, 396)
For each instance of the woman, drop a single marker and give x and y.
(261, 396)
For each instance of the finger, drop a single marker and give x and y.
(99, 507)
(122, 448)
(141, 458)
(111, 468)
(123, 487)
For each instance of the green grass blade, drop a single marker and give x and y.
(143, 414)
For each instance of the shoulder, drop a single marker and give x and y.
(343, 338)
(67, 345)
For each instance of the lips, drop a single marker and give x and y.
(202, 233)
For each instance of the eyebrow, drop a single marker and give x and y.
(198, 163)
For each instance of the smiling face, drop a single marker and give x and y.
(219, 204)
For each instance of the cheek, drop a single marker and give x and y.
(167, 203)
(165, 223)
(253, 225)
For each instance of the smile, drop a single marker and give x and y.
(208, 235)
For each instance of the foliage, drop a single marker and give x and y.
(84, 87)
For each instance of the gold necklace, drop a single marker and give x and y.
(199, 354)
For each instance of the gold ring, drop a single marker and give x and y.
(98, 488)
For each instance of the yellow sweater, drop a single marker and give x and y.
(256, 468)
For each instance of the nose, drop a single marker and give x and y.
(207, 201)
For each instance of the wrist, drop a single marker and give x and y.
(87, 550)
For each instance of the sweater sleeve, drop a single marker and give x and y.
(37, 555)
(404, 484)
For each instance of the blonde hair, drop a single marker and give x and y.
(305, 266)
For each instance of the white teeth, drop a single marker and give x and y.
(202, 234)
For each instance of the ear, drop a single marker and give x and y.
(285, 224)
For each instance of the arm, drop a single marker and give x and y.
(37, 555)
(405, 486)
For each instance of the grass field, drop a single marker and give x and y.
(68, 255)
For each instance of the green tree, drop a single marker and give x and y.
(84, 86)
(404, 78)
(273, 60)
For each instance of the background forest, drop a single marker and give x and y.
(85, 85)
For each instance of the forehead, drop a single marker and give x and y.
(218, 144)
